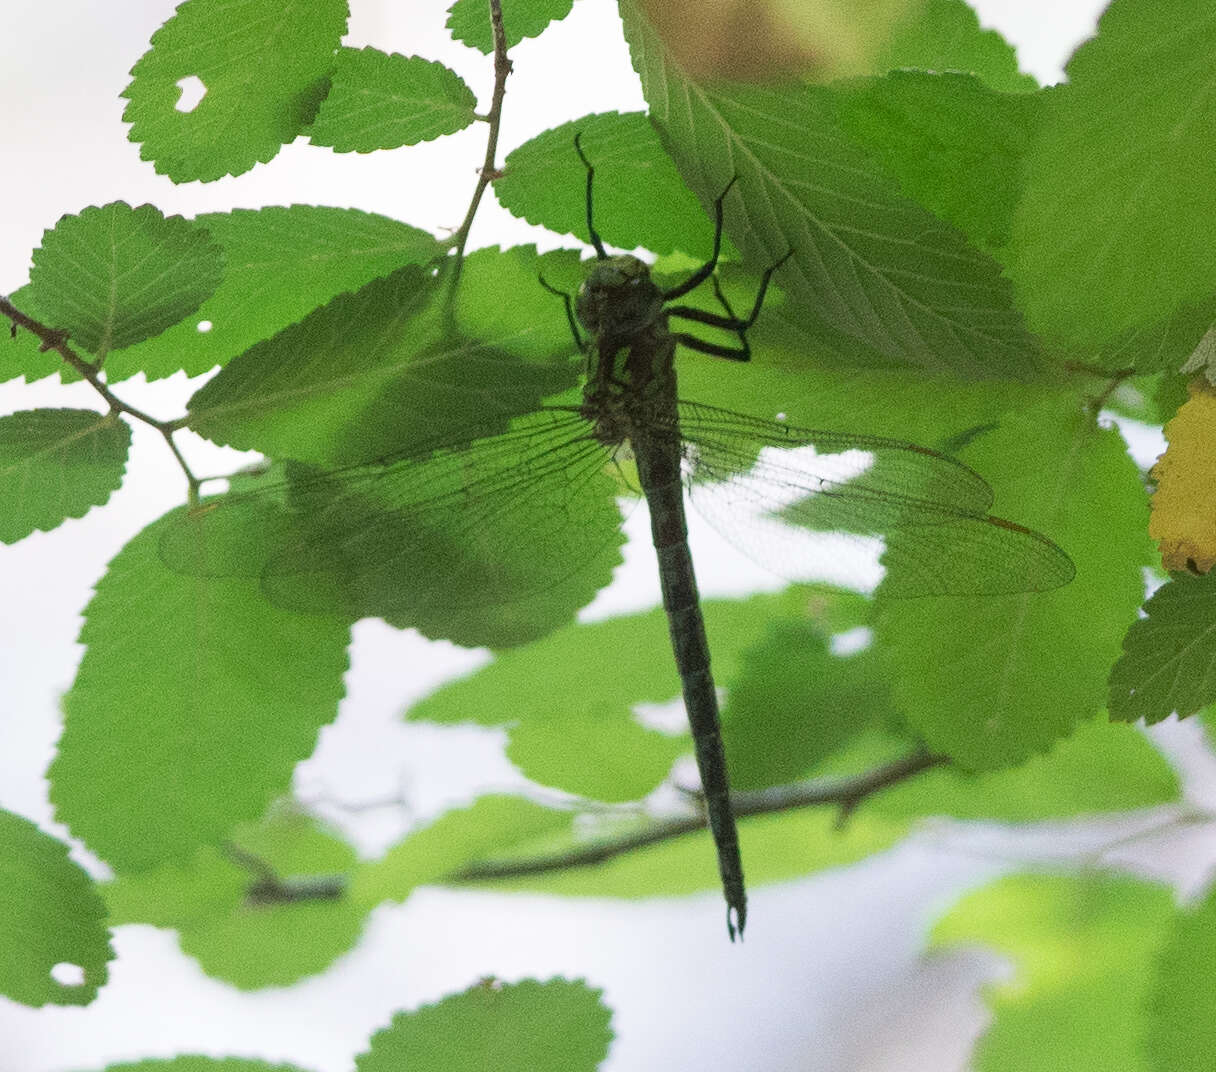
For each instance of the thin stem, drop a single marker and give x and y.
(845, 792)
(488, 171)
(57, 340)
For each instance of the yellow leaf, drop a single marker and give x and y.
(775, 40)
(1183, 521)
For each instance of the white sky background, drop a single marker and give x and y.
(830, 976)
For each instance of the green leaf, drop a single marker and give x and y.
(1118, 220)
(247, 942)
(945, 35)
(469, 20)
(1102, 767)
(1083, 948)
(368, 374)
(794, 373)
(52, 915)
(21, 355)
(579, 732)
(1162, 346)
(382, 100)
(955, 145)
(185, 717)
(640, 199)
(868, 263)
(794, 704)
(117, 275)
(264, 65)
(993, 680)
(1169, 657)
(493, 827)
(195, 1063)
(532, 324)
(555, 1026)
(1181, 1034)
(56, 464)
(280, 264)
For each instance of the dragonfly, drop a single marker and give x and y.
(443, 533)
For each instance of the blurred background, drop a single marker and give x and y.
(832, 975)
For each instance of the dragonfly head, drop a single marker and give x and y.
(618, 298)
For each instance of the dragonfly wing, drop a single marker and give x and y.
(931, 510)
(491, 542)
(972, 556)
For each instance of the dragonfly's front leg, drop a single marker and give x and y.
(571, 319)
(707, 269)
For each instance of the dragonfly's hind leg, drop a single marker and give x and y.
(730, 322)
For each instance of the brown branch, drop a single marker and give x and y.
(845, 792)
(268, 887)
(489, 170)
(57, 340)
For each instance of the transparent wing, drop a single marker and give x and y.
(930, 509)
(493, 541)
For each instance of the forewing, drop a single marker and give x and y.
(491, 542)
(931, 510)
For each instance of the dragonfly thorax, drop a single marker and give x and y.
(618, 299)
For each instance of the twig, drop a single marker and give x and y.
(269, 888)
(846, 792)
(489, 170)
(57, 340)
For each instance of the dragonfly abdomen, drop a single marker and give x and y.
(658, 461)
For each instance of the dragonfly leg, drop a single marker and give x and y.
(569, 303)
(596, 241)
(731, 353)
(707, 269)
(730, 322)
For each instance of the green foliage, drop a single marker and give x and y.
(1169, 657)
(1115, 228)
(381, 100)
(565, 730)
(56, 464)
(1004, 677)
(1181, 1034)
(1102, 767)
(555, 1026)
(155, 763)
(794, 704)
(469, 20)
(432, 468)
(117, 275)
(1083, 949)
(279, 264)
(945, 35)
(639, 196)
(52, 915)
(368, 374)
(265, 65)
(234, 936)
(493, 825)
(867, 261)
(979, 136)
(526, 325)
